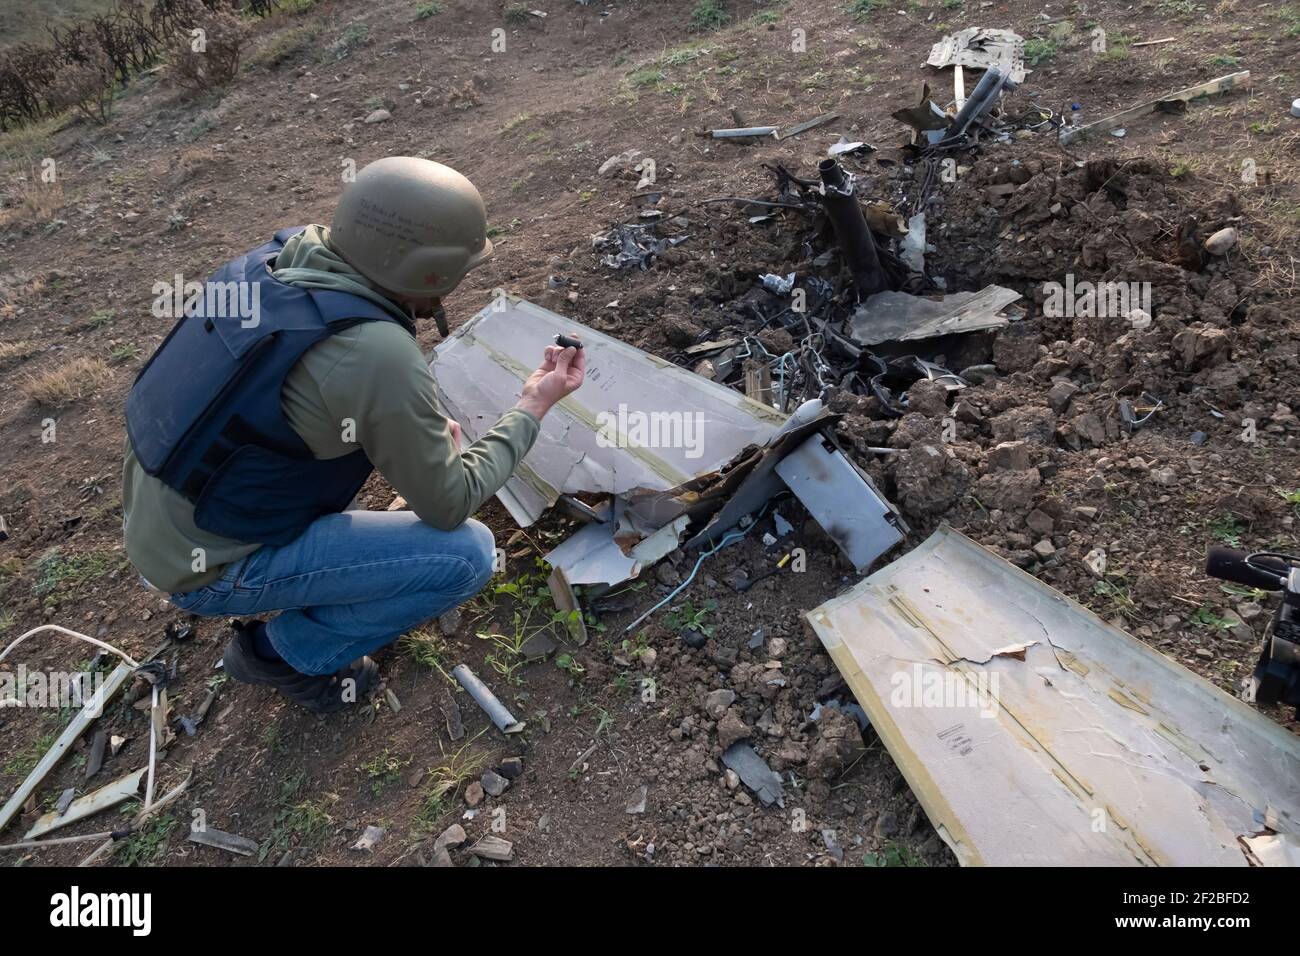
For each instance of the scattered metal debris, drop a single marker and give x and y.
(633, 244)
(807, 125)
(755, 773)
(230, 842)
(1172, 103)
(492, 706)
(748, 132)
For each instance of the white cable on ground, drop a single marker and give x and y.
(63, 630)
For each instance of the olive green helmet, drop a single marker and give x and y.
(411, 226)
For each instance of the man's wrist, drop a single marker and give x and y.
(534, 406)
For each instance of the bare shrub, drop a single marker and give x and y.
(86, 86)
(206, 45)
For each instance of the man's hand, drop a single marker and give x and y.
(454, 427)
(560, 373)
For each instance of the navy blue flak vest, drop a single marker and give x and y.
(204, 414)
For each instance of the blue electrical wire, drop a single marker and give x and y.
(728, 538)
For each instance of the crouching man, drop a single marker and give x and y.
(249, 434)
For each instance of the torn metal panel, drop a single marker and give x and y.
(1273, 849)
(1094, 749)
(982, 48)
(842, 499)
(902, 317)
(591, 555)
(637, 423)
(119, 791)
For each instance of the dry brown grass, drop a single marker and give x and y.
(15, 350)
(66, 384)
(36, 201)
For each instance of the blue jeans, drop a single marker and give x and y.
(350, 584)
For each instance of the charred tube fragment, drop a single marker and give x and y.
(567, 342)
(851, 230)
(981, 100)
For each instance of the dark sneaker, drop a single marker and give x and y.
(319, 693)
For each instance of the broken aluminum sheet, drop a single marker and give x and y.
(902, 317)
(480, 371)
(842, 500)
(1094, 749)
(982, 48)
(609, 552)
(119, 791)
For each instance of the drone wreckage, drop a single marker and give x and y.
(1085, 720)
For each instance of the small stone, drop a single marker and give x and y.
(979, 374)
(493, 848)
(1086, 512)
(636, 803)
(731, 729)
(667, 575)
(379, 116)
(473, 794)
(1095, 562)
(692, 638)
(1060, 393)
(1010, 456)
(717, 702)
(493, 783)
(1221, 242)
(886, 825)
(776, 647)
(452, 837)
(511, 768)
(1045, 548)
(1040, 522)
(440, 857)
(619, 162)
(1164, 476)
